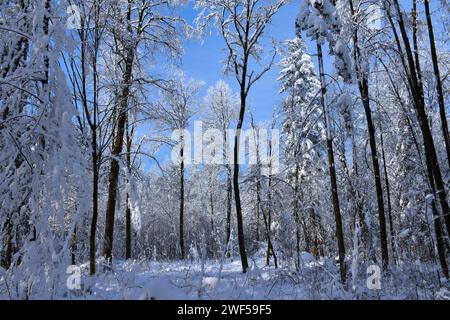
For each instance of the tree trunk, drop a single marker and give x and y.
(129, 137)
(433, 169)
(388, 195)
(376, 169)
(95, 160)
(297, 218)
(258, 208)
(73, 247)
(440, 238)
(237, 196)
(182, 199)
(419, 104)
(332, 171)
(363, 85)
(118, 143)
(437, 75)
(117, 149)
(94, 203)
(211, 206)
(229, 199)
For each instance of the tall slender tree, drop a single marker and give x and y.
(242, 24)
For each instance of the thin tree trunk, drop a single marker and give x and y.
(419, 104)
(229, 199)
(363, 85)
(129, 137)
(211, 206)
(297, 218)
(258, 208)
(332, 171)
(73, 247)
(433, 169)
(95, 162)
(117, 149)
(388, 194)
(440, 238)
(94, 203)
(237, 196)
(437, 75)
(268, 224)
(376, 169)
(182, 199)
(118, 145)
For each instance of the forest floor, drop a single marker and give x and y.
(215, 280)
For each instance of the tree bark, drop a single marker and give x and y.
(433, 169)
(211, 206)
(182, 199)
(440, 94)
(388, 195)
(95, 156)
(229, 199)
(332, 171)
(363, 85)
(73, 247)
(94, 203)
(117, 149)
(237, 196)
(419, 104)
(118, 143)
(297, 218)
(129, 137)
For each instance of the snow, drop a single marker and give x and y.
(184, 280)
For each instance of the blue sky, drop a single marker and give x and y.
(203, 61)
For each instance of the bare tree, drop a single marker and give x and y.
(242, 25)
(437, 75)
(173, 112)
(221, 106)
(147, 24)
(416, 90)
(363, 86)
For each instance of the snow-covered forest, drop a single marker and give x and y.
(122, 176)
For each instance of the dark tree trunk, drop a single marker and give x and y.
(117, 149)
(73, 247)
(258, 208)
(440, 237)
(118, 145)
(440, 93)
(211, 206)
(376, 168)
(363, 85)
(94, 203)
(229, 199)
(129, 137)
(128, 229)
(332, 171)
(182, 199)
(237, 196)
(419, 103)
(297, 219)
(95, 156)
(388, 195)
(433, 169)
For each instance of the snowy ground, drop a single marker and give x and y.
(215, 280)
(223, 279)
